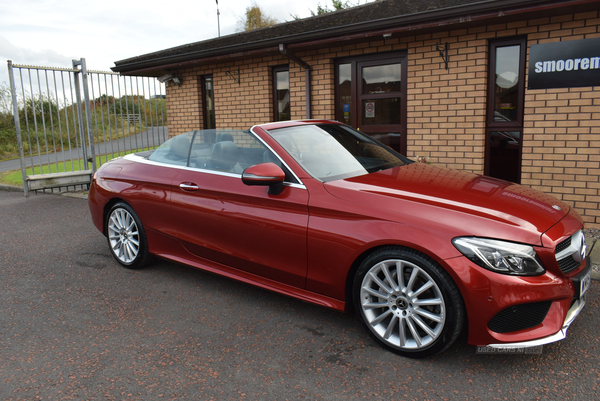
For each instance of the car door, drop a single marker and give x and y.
(221, 219)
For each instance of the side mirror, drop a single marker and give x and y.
(267, 174)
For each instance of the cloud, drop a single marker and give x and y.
(24, 56)
(21, 55)
(53, 33)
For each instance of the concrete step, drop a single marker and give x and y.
(56, 180)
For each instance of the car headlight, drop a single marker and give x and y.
(500, 256)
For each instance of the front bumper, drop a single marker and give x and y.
(560, 335)
(486, 294)
(579, 302)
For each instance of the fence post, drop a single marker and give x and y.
(80, 112)
(88, 114)
(15, 104)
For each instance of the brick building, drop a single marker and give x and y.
(484, 86)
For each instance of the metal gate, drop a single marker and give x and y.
(69, 121)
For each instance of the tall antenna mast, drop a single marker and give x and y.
(218, 20)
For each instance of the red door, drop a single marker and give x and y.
(225, 221)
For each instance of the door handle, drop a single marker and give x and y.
(188, 186)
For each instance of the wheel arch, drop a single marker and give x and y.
(365, 254)
(107, 208)
(452, 290)
(352, 273)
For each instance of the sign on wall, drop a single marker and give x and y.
(370, 110)
(569, 64)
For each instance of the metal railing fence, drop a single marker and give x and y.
(68, 121)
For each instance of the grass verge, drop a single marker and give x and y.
(14, 177)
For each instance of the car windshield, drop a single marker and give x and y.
(331, 152)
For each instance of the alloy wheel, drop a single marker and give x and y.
(123, 236)
(402, 305)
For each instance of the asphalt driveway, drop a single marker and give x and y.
(75, 325)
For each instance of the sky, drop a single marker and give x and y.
(55, 32)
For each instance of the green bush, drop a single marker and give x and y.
(8, 133)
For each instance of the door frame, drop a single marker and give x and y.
(357, 62)
(505, 126)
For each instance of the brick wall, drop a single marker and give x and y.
(561, 144)
(446, 108)
(183, 103)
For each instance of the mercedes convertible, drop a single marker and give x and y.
(319, 211)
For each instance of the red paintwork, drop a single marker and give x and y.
(304, 242)
(265, 173)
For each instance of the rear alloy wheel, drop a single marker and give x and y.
(126, 236)
(408, 302)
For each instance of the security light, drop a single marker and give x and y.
(169, 77)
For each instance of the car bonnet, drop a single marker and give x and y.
(469, 203)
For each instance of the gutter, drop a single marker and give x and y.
(410, 22)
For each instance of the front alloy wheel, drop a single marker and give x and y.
(126, 236)
(408, 302)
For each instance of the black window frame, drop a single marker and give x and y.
(208, 123)
(505, 127)
(275, 94)
(493, 45)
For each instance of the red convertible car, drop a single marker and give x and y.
(318, 211)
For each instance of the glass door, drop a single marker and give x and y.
(371, 96)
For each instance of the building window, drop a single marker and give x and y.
(345, 93)
(504, 128)
(208, 101)
(281, 93)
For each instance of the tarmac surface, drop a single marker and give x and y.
(74, 325)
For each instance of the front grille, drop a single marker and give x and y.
(563, 245)
(568, 264)
(569, 250)
(519, 317)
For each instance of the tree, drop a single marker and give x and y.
(5, 99)
(255, 18)
(337, 5)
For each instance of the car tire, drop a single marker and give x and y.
(126, 236)
(419, 315)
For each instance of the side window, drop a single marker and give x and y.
(174, 151)
(229, 151)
